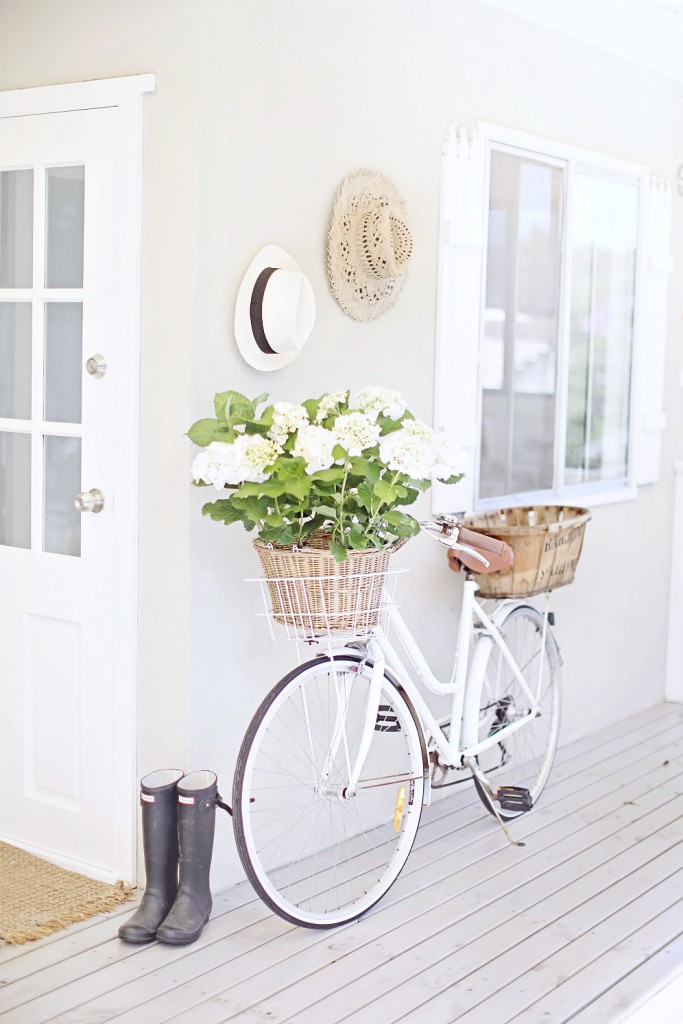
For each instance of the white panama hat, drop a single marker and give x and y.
(275, 310)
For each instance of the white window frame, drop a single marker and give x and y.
(461, 301)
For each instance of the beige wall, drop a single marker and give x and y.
(262, 107)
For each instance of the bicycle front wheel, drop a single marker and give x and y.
(316, 853)
(522, 758)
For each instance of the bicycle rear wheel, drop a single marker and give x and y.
(316, 854)
(522, 758)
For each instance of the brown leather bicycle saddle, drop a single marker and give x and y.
(497, 553)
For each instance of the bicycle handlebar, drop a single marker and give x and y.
(445, 537)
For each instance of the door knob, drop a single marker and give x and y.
(96, 366)
(89, 501)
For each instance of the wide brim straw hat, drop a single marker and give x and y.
(275, 310)
(369, 245)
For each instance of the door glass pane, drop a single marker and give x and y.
(16, 229)
(62, 523)
(15, 360)
(605, 236)
(65, 193)
(521, 325)
(63, 361)
(15, 489)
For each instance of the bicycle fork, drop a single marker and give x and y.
(370, 720)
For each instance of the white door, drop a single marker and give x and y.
(65, 751)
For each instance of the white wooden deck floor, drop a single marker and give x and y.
(585, 923)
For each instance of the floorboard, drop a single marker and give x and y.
(584, 923)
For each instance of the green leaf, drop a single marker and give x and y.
(255, 509)
(223, 511)
(390, 426)
(202, 432)
(290, 466)
(254, 427)
(366, 469)
(268, 489)
(365, 496)
(385, 491)
(327, 511)
(338, 551)
(402, 524)
(224, 433)
(227, 401)
(266, 417)
(311, 406)
(333, 475)
(312, 525)
(454, 479)
(410, 496)
(298, 488)
(357, 540)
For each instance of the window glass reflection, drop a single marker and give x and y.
(605, 236)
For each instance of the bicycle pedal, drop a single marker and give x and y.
(514, 798)
(387, 719)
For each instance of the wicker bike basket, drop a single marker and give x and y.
(546, 540)
(311, 592)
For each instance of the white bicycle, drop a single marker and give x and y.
(343, 753)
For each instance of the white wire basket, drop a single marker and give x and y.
(318, 608)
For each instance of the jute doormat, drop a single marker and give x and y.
(38, 898)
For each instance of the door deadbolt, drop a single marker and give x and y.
(89, 501)
(96, 366)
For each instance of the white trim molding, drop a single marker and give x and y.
(674, 655)
(459, 301)
(51, 99)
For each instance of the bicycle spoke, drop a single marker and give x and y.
(316, 853)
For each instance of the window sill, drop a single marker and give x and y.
(583, 498)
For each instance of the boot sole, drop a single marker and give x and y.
(184, 940)
(138, 941)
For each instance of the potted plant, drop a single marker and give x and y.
(328, 478)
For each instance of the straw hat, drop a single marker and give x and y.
(275, 310)
(368, 245)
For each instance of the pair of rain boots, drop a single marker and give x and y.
(178, 822)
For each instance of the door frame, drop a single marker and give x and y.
(126, 94)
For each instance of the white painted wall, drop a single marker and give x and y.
(261, 109)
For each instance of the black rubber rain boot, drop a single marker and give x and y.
(197, 798)
(159, 802)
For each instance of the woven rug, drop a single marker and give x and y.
(38, 898)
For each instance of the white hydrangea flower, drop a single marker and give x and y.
(355, 431)
(328, 404)
(247, 458)
(374, 401)
(448, 461)
(420, 430)
(315, 445)
(409, 450)
(287, 419)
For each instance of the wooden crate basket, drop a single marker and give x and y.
(546, 540)
(316, 595)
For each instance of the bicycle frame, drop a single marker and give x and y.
(464, 686)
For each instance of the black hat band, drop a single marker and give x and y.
(256, 310)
